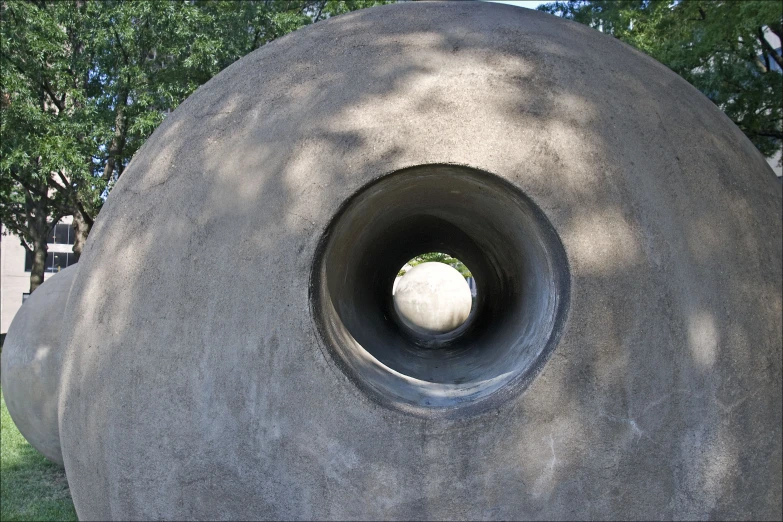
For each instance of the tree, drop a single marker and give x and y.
(438, 257)
(84, 84)
(45, 122)
(718, 46)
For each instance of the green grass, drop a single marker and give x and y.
(31, 487)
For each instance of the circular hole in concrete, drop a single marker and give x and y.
(514, 254)
(433, 296)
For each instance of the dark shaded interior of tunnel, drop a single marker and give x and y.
(514, 255)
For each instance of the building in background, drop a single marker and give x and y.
(16, 261)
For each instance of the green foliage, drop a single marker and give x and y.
(438, 257)
(42, 152)
(718, 46)
(84, 84)
(31, 487)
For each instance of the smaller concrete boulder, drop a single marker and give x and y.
(31, 363)
(432, 298)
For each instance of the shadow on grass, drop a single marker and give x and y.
(31, 487)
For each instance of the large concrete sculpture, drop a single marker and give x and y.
(31, 363)
(232, 355)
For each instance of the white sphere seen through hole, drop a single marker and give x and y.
(433, 298)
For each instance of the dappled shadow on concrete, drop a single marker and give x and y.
(196, 384)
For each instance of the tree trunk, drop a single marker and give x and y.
(40, 250)
(118, 141)
(81, 229)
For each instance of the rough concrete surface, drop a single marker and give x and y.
(196, 383)
(32, 361)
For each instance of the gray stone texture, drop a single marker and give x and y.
(195, 384)
(31, 363)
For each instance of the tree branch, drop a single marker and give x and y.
(768, 48)
(118, 141)
(30, 189)
(53, 184)
(65, 189)
(44, 84)
(59, 103)
(320, 8)
(769, 134)
(90, 221)
(24, 241)
(119, 44)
